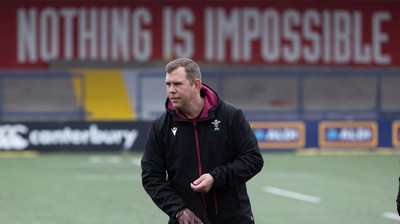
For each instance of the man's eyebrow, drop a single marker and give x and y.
(173, 82)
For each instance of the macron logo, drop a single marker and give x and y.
(174, 129)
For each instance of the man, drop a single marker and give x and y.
(199, 153)
(398, 199)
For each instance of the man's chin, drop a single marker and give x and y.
(176, 105)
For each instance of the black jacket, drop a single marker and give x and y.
(179, 150)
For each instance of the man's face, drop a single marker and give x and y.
(179, 90)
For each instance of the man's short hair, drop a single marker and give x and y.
(191, 68)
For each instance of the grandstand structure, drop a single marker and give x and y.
(39, 96)
(63, 94)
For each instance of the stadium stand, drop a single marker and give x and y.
(36, 96)
(105, 95)
(136, 91)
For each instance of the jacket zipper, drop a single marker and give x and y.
(203, 196)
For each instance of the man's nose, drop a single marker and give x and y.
(171, 89)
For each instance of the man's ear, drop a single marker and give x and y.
(197, 84)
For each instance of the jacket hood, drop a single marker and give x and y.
(211, 101)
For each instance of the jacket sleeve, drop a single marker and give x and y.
(154, 174)
(398, 195)
(248, 160)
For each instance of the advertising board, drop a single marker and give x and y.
(348, 134)
(250, 32)
(396, 134)
(73, 136)
(279, 134)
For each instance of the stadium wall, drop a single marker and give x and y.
(130, 136)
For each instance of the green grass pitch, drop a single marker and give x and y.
(106, 188)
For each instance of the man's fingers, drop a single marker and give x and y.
(193, 186)
(188, 217)
(197, 220)
(198, 180)
(203, 183)
(198, 188)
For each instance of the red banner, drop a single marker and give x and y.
(342, 33)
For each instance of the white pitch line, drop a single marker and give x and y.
(292, 194)
(105, 160)
(391, 215)
(106, 177)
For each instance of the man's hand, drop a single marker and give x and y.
(203, 183)
(185, 216)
